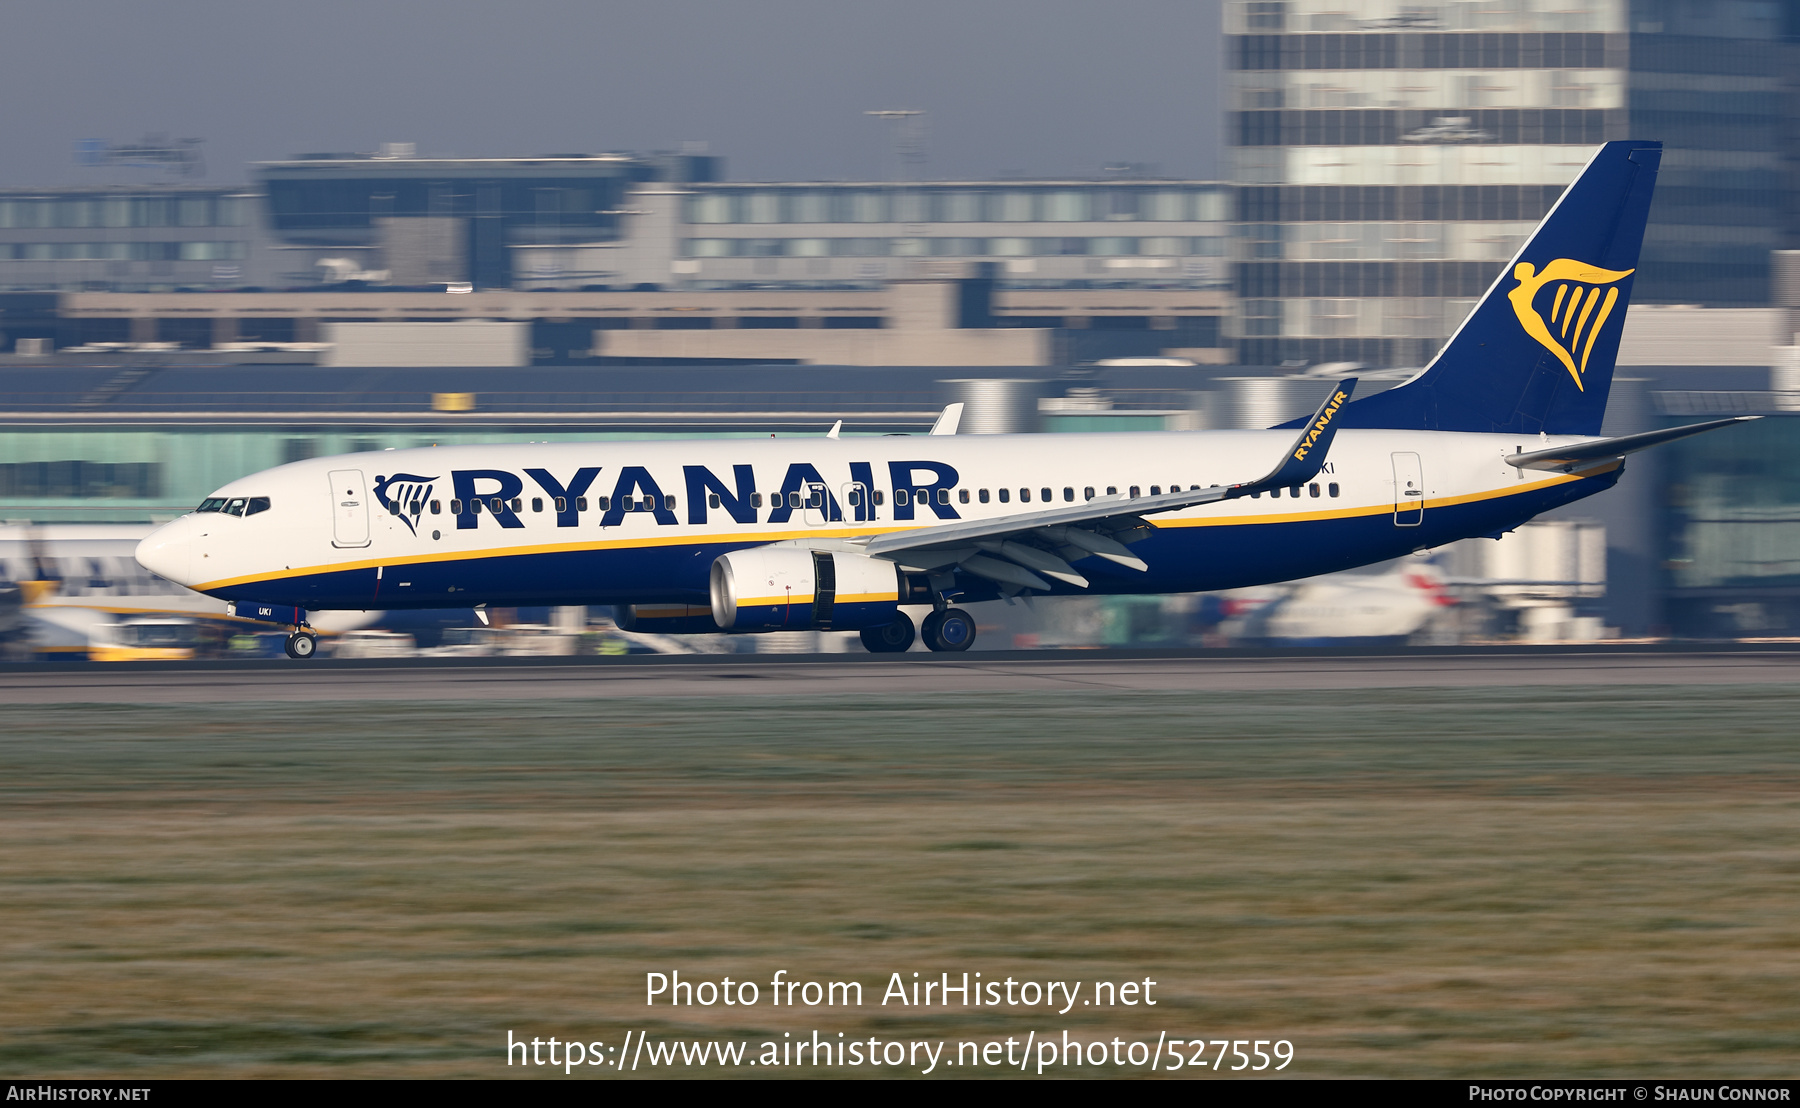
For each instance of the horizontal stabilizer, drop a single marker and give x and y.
(1579, 455)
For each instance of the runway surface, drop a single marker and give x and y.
(244, 685)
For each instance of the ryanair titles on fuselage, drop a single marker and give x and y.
(490, 492)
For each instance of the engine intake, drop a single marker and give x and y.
(789, 589)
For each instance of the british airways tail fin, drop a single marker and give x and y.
(1537, 352)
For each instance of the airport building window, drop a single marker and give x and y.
(83, 479)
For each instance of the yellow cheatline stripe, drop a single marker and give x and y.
(779, 536)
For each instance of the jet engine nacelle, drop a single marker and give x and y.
(785, 588)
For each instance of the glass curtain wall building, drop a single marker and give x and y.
(1062, 234)
(1391, 157)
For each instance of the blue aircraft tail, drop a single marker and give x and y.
(1537, 352)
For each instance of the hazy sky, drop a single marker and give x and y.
(778, 87)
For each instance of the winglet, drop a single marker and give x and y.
(948, 420)
(835, 428)
(1303, 459)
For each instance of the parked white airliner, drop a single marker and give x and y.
(838, 533)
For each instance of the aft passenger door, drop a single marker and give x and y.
(1409, 490)
(349, 508)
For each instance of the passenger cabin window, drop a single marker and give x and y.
(562, 504)
(962, 496)
(1005, 496)
(943, 496)
(879, 497)
(756, 500)
(456, 507)
(1294, 492)
(1112, 490)
(1044, 495)
(982, 496)
(1087, 493)
(436, 507)
(1024, 496)
(517, 504)
(1134, 492)
(900, 497)
(1069, 494)
(1313, 489)
(712, 500)
(669, 501)
(537, 503)
(604, 503)
(261, 504)
(1155, 490)
(1332, 488)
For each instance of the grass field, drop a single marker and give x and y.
(1570, 882)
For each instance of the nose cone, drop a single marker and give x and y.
(168, 551)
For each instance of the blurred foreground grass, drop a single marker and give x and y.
(1543, 882)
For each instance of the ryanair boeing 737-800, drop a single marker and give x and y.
(834, 533)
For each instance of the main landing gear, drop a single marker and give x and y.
(949, 630)
(894, 638)
(302, 644)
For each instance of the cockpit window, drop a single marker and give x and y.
(234, 505)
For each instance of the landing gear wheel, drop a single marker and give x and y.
(895, 638)
(949, 630)
(302, 645)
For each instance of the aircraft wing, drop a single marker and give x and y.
(1014, 549)
(1563, 459)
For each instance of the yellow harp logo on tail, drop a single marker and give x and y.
(1574, 323)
